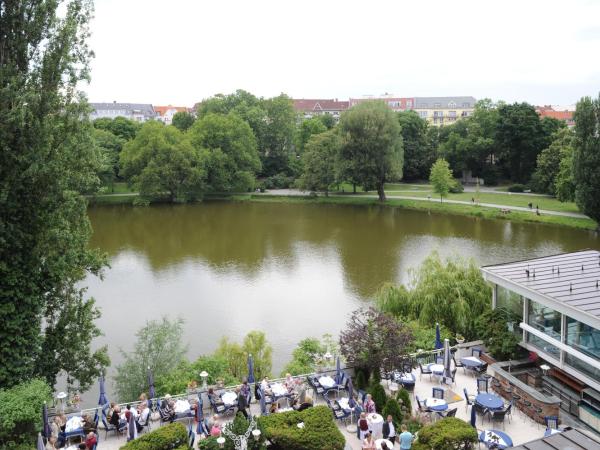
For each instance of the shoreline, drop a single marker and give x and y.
(350, 199)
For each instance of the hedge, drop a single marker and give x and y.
(447, 434)
(166, 437)
(319, 433)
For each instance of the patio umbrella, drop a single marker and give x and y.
(473, 417)
(350, 389)
(447, 359)
(338, 371)
(438, 339)
(102, 400)
(40, 443)
(151, 389)
(250, 370)
(263, 405)
(199, 418)
(45, 424)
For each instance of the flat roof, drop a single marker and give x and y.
(567, 440)
(569, 279)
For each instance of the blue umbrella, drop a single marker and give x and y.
(250, 369)
(338, 371)
(447, 359)
(199, 418)
(151, 390)
(263, 405)
(438, 339)
(45, 424)
(473, 417)
(102, 400)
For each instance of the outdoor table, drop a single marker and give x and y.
(495, 436)
(405, 378)
(378, 442)
(327, 381)
(74, 423)
(436, 404)
(376, 424)
(471, 361)
(229, 398)
(437, 369)
(551, 431)
(279, 390)
(344, 403)
(280, 410)
(489, 401)
(182, 406)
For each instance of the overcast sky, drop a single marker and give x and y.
(181, 51)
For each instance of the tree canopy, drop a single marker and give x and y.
(47, 159)
(372, 149)
(419, 155)
(320, 161)
(183, 120)
(441, 178)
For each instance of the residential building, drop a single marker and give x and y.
(557, 299)
(166, 113)
(395, 103)
(314, 107)
(564, 113)
(444, 110)
(139, 112)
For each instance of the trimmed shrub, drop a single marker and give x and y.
(516, 188)
(392, 408)
(403, 397)
(379, 396)
(319, 433)
(447, 434)
(165, 438)
(361, 380)
(457, 187)
(21, 413)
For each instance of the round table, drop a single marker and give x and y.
(551, 431)
(489, 436)
(378, 442)
(489, 401)
(438, 369)
(376, 424)
(471, 361)
(436, 404)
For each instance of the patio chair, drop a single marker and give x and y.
(426, 371)
(457, 364)
(420, 407)
(482, 385)
(439, 360)
(407, 367)
(469, 399)
(218, 408)
(551, 422)
(110, 427)
(341, 414)
(476, 352)
(447, 413)
(438, 393)
(410, 387)
(498, 415)
(481, 370)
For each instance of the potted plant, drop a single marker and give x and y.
(460, 338)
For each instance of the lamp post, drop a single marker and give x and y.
(204, 376)
(256, 434)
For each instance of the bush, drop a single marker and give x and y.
(403, 397)
(392, 408)
(361, 379)
(378, 394)
(516, 188)
(492, 327)
(319, 433)
(447, 434)
(21, 413)
(239, 426)
(165, 438)
(457, 187)
(279, 181)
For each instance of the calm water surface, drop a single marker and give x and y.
(292, 270)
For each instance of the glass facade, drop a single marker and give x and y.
(544, 346)
(509, 300)
(582, 367)
(544, 319)
(583, 338)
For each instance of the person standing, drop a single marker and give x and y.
(370, 405)
(388, 430)
(242, 402)
(406, 438)
(369, 442)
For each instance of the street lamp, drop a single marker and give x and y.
(256, 434)
(204, 376)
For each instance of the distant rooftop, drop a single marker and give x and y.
(445, 102)
(569, 279)
(567, 440)
(145, 108)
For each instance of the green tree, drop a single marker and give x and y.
(159, 348)
(548, 161)
(586, 157)
(308, 128)
(441, 178)
(565, 185)
(520, 138)
(328, 120)
(492, 328)
(278, 136)
(230, 151)
(110, 147)
(183, 120)
(233, 353)
(320, 161)
(122, 127)
(378, 394)
(419, 155)
(256, 344)
(161, 160)
(304, 357)
(392, 408)
(47, 159)
(372, 152)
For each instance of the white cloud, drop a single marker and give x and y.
(181, 51)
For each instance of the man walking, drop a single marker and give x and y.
(242, 402)
(388, 430)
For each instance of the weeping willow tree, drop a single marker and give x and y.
(451, 292)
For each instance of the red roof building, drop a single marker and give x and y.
(395, 103)
(313, 107)
(166, 113)
(566, 115)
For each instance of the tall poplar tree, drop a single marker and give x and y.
(47, 158)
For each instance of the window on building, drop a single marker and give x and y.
(544, 346)
(583, 338)
(451, 113)
(582, 366)
(437, 105)
(509, 300)
(544, 319)
(438, 114)
(409, 103)
(451, 105)
(423, 114)
(466, 105)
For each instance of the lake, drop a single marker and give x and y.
(291, 270)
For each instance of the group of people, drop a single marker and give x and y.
(57, 438)
(389, 433)
(121, 419)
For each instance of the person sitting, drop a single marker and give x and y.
(214, 426)
(369, 442)
(370, 405)
(246, 391)
(115, 419)
(301, 406)
(266, 388)
(274, 408)
(289, 382)
(91, 440)
(88, 425)
(128, 413)
(144, 416)
(213, 397)
(51, 443)
(363, 426)
(166, 412)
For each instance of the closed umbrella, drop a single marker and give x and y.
(473, 417)
(250, 369)
(338, 371)
(438, 339)
(40, 443)
(199, 418)
(263, 405)
(102, 400)
(132, 429)
(447, 358)
(45, 424)
(151, 390)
